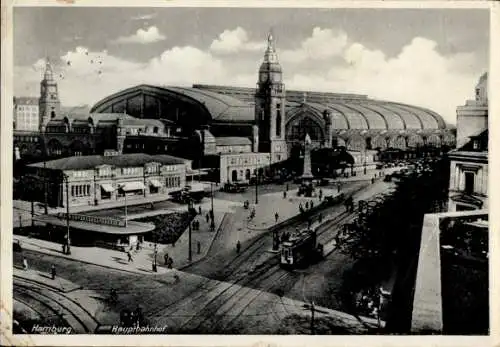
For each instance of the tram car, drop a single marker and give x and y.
(300, 249)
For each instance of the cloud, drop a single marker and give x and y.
(91, 76)
(144, 16)
(233, 41)
(418, 75)
(322, 44)
(150, 35)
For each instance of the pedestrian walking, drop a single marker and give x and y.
(320, 194)
(64, 248)
(137, 246)
(276, 217)
(25, 264)
(198, 244)
(165, 258)
(287, 187)
(129, 256)
(312, 204)
(207, 218)
(53, 271)
(238, 247)
(113, 296)
(199, 210)
(373, 180)
(307, 205)
(320, 217)
(212, 225)
(284, 194)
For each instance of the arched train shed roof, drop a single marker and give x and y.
(351, 113)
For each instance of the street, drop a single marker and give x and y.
(224, 291)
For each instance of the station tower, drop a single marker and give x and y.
(48, 104)
(270, 105)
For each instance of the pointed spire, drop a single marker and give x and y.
(270, 40)
(49, 75)
(270, 56)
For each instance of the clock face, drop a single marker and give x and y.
(263, 77)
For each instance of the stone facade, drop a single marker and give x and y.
(107, 183)
(242, 166)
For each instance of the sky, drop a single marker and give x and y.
(425, 57)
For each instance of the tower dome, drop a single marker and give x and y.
(270, 63)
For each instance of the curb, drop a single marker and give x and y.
(209, 247)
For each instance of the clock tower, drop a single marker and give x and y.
(270, 106)
(48, 104)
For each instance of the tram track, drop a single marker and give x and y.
(68, 310)
(264, 271)
(237, 291)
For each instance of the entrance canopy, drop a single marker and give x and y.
(132, 228)
(108, 188)
(131, 186)
(155, 183)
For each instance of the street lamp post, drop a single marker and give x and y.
(189, 240)
(212, 195)
(256, 188)
(68, 242)
(45, 192)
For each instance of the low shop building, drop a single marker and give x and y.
(96, 179)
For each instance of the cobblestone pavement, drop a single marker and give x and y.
(192, 302)
(196, 303)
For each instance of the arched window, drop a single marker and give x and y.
(52, 114)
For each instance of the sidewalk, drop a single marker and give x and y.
(58, 283)
(142, 259)
(286, 208)
(370, 173)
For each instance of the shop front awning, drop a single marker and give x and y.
(108, 188)
(131, 186)
(155, 183)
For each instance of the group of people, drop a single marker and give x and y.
(349, 204)
(308, 205)
(196, 225)
(209, 217)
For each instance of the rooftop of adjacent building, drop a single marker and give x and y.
(101, 118)
(26, 100)
(476, 148)
(233, 141)
(122, 160)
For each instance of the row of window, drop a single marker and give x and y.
(27, 108)
(246, 161)
(80, 190)
(154, 169)
(172, 182)
(131, 171)
(27, 138)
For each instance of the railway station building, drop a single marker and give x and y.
(205, 121)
